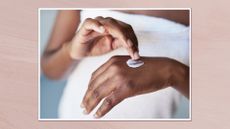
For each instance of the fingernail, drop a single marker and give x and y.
(131, 54)
(85, 112)
(101, 29)
(95, 116)
(82, 105)
(136, 55)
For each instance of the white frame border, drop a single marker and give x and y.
(120, 120)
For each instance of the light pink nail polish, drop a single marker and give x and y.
(102, 29)
(82, 105)
(95, 116)
(85, 112)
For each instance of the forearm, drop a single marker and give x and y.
(57, 64)
(56, 61)
(180, 16)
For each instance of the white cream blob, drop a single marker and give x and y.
(134, 63)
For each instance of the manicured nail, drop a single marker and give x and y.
(131, 54)
(136, 56)
(82, 105)
(85, 112)
(95, 116)
(101, 29)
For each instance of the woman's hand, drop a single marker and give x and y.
(115, 81)
(101, 35)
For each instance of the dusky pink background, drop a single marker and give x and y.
(19, 63)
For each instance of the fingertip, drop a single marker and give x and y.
(82, 105)
(85, 112)
(136, 56)
(96, 116)
(133, 51)
(132, 56)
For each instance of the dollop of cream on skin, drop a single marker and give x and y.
(134, 63)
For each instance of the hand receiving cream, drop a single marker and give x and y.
(134, 63)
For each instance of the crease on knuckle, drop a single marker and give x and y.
(115, 68)
(119, 78)
(88, 20)
(128, 27)
(99, 17)
(108, 102)
(96, 93)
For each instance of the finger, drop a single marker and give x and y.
(132, 41)
(119, 30)
(114, 29)
(104, 45)
(133, 49)
(112, 100)
(101, 69)
(116, 44)
(97, 94)
(90, 25)
(99, 18)
(94, 83)
(132, 34)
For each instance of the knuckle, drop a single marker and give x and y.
(96, 94)
(119, 77)
(129, 27)
(91, 84)
(110, 19)
(88, 20)
(99, 17)
(108, 38)
(90, 87)
(114, 68)
(109, 102)
(93, 74)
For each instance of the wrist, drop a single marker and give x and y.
(72, 52)
(69, 51)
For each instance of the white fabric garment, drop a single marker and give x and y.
(157, 37)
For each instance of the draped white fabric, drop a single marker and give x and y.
(157, 37)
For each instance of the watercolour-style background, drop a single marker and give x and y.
(19, 62)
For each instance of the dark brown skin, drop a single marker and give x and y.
(115, 81)
(63, 36)
(180, 16)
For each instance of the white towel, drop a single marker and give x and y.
(157, 37)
